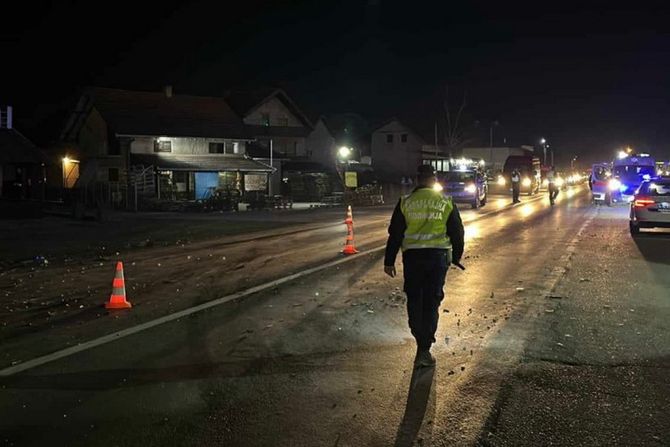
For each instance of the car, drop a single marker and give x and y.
(465, 186)
(650, 207)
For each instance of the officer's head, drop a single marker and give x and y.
(425, 176)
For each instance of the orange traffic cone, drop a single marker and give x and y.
(118, 298)
(349, 247)
(350, 218)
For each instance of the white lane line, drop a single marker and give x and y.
(38, 361)
(560, 269)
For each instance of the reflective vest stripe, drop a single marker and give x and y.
(424, 237)
(415, 246)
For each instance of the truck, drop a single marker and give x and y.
(529, 168)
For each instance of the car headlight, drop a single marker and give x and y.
(470, 188)
(526, 182)
(501, 180)
(437, 187)
(614, 184)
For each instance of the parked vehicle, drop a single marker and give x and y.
(601, 174)
(628, 172)
(650, 207)
(528, 166)
(467, 185)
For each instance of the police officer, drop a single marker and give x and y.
(516, 186)
(553, 188)
(427, 226)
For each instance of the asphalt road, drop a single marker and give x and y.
(556, 334)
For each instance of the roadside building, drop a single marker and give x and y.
(156, 146)
(278, 127)
(396, 150)
(22, 164)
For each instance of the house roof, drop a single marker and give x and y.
(153, 113)
(202, 163)
(15, 148)
(245, 102)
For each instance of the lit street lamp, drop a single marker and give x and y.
(543, 142)
(344, 153)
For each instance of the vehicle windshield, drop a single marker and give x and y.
(656, 188)
(459, 176)
(600, 173)
(633, 173)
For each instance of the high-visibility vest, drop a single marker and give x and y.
(426, 212)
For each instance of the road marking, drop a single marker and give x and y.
(559, 270)
(489, 368)
(38, 361)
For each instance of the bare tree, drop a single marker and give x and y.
(456, 133)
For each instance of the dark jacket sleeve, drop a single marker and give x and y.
(456, 234)
(396, 235)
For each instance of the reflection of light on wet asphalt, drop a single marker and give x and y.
(472, 231)
(501, 203)
(527, 210)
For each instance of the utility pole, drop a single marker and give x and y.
(271, 172)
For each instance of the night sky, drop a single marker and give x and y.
(589, 79)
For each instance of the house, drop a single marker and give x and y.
(21, 163)
(157, 145)
(396, 150)
(278, 126)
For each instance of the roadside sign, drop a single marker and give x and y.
(351, 179)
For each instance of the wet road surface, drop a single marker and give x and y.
(537, 345)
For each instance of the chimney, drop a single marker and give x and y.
(168, 91)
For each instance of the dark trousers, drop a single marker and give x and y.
(515, 191)
(425, 271)
(553, 192)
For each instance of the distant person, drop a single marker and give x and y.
(516, 186)
(427, 226)
(553, 188)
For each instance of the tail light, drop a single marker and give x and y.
(642, 202)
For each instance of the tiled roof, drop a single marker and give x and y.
(246, 101)
(15, 148)
(153, 113)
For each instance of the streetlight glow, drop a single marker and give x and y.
(542, 141)
(344, 152)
